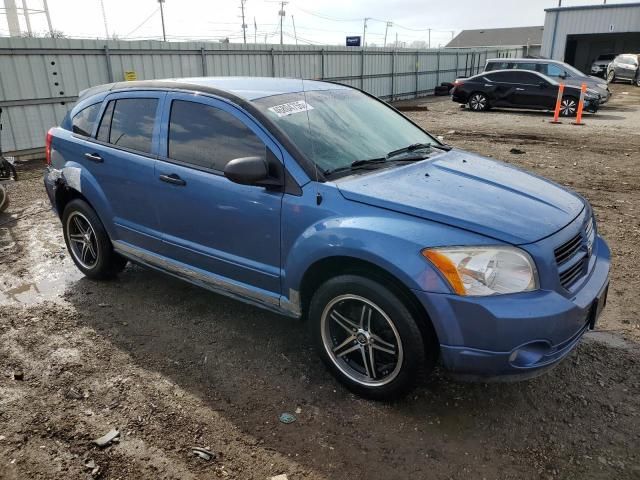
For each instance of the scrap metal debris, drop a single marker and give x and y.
(517, 151)
(109, 437)
(203, 453)
(287, 418)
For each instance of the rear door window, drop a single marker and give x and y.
(502, 77)
(526, 78)
(128, 123)
(497, 66)
(525, 66)
(208, 137)
(84, 121)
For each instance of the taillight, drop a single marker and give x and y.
(458, 83)
(47, 146)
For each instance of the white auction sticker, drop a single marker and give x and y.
(290, 108)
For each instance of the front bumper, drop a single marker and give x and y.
(520, 335)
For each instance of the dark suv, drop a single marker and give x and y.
(559, 71)
(625, 67)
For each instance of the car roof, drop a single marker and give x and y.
(524, 60)
(246, 88)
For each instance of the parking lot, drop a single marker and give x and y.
(175, 367)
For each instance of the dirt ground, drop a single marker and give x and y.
(175, 367)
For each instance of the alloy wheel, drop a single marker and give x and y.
(361, 340)
(611, 76)
(568, 107)
(82, 240)
(478, 102)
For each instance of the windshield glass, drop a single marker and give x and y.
(346, 126)
(572, 70)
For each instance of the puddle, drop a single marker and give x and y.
(29, 293)
(42, 270)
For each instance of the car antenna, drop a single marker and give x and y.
(306, 110)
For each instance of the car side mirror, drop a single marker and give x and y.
(251, 171)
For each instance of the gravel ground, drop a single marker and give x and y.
(175, 367)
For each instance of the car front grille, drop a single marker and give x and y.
(572, 257)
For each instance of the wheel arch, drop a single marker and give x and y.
(329, 267)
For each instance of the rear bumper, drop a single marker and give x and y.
(517, 336)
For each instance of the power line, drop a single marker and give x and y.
(141, 24)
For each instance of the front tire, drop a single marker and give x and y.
(88, 243)
(568, 107)
(611, 76)
(478, 102)
(368, 338)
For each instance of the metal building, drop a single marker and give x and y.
(578, 34)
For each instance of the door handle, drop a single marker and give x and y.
(94, 157)
(520, 89)
(173, 179)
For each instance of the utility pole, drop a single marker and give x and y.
(104, 19)
(255, 31)
(396, 46)
(429, 37)
(295, 34)
(25, 11)
(364, 32)
(281, 13)
(12, 18)
(389, 24)
(46, 13)
(244, 25)
(164, 34)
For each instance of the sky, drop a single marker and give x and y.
(316, 21)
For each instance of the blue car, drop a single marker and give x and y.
(318, 201)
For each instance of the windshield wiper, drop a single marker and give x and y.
(411, 148)
(389, 157)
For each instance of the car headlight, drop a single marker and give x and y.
(481, 271)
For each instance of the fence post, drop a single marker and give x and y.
(393, 74)
(362, 69)
(108, 59)
(457, 63)
(438, 68)
(322, 64)
(417, 63)
(273, 63)
(203, 60)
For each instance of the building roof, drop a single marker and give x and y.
(491, 37)
(600, 6)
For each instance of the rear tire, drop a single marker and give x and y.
(368, 338)
(568, 106)
(88, 243)
(478, 102)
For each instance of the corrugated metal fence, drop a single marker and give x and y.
(41, 78)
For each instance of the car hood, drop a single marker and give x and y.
(470, 192)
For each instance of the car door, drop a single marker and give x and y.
(533, 91)
(121, 158)
(624, 68)
(228, 232)
(498, 88)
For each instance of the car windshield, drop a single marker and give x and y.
(573, 71)
(347, 126)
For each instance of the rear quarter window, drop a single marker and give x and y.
(128, 123)
(84, 121)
